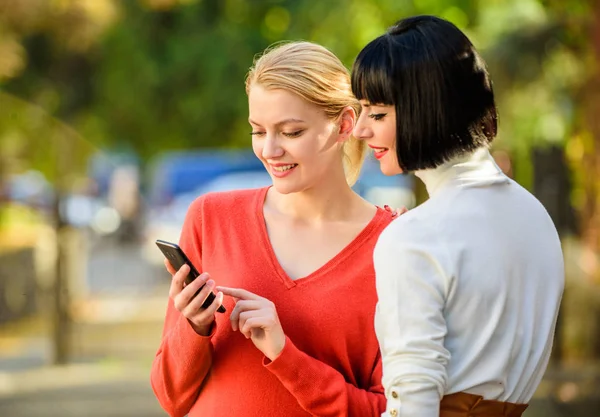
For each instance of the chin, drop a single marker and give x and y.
(390, 169)
(287, 187)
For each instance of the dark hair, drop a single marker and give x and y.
(431, 73)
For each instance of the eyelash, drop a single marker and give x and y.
(377, 116)
(289, 135)
(293, 134)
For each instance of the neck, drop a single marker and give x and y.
(330, 199)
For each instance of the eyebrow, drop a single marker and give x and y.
(283, 122)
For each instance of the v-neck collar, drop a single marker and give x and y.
(345, 253)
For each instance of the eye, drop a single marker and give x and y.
(257, 133)
(293, 134)
(377, 116)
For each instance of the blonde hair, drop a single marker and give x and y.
(319, 77)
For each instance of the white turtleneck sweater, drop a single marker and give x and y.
(469, 286)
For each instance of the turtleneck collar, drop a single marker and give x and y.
(475, 169)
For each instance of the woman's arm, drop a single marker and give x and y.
(323, 391)
(181, 364)
(319, 388)
(412, 288)
(184, 357)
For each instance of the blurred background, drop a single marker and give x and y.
(115, 115)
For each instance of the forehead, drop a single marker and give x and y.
(274, 105)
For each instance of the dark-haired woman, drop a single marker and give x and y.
(470, 282)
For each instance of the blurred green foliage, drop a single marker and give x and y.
(153, 75)
(78, 76)
(162, 74)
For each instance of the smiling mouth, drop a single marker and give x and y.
(284, 168)
(378, 149)
(379, 153)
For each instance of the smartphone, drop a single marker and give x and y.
(177, 258)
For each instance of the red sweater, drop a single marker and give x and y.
(330, 365)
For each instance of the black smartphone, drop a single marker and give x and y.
(177, 258)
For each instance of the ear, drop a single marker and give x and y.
(347, 120)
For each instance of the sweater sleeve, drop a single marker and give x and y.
(321, 390)
(184, 357)
(412, 288)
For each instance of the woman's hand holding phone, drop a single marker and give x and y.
(189, 306)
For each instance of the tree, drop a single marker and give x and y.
(166, 74)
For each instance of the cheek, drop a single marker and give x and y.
(304, 150)
(389, 135)
(257, 148)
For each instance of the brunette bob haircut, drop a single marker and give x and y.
(431, 73)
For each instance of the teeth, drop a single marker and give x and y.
(380, 149)
(284, 168)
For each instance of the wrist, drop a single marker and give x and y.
(202, 330)
(276, 351)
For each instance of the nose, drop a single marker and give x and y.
(271, 148)
(361, 130)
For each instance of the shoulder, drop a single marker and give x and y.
(227, 199)
(414, 236)
(416, 225)
(224, 202)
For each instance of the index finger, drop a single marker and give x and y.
(239, 293)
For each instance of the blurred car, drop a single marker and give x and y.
(32, 189)
(175, 173)
(395, 191)
(166, 222)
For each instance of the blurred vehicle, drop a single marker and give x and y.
(166, 222)
(395, 191)
(32, 189)
(176, 173)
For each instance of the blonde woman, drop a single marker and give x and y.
(293, 263)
